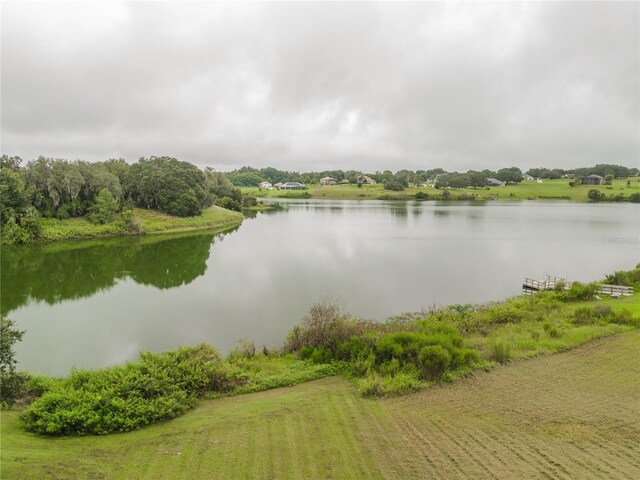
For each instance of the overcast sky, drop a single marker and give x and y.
(308, 86)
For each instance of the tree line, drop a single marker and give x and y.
(58, 188)
(439, 177)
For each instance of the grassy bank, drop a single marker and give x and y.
(572, 415)
(548, 190)
(148, 222)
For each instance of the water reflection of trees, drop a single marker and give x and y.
(53, 273)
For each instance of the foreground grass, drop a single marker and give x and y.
(150, 222)
(549, 189)
(572, 415)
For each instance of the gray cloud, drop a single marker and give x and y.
(313, 85)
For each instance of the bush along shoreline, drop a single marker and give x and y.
(405, 353)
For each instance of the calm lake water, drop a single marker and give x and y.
(92, 304)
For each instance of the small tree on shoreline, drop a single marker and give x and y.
(10, 381)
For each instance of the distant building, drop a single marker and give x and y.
(494, 182)
(328, 181)
(593, 180)
(569, 175)
(365, 179)
(538, 180)
(526, 176)
(266, 186)
(292, 186)
(278, 185)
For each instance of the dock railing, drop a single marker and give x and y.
(550, 282)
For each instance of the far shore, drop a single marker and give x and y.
(560, 189)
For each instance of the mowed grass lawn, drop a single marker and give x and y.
(549, 189)
(149, 220)
(570, 415)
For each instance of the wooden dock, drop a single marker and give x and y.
(551, 282)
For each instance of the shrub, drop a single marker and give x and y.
(429, 352)
(580, 292)
(622, 277)
(421, 196)
(596, 195)
(376, 385)
(500, 350)
(634, 197)
(434, 361)
(625, 317)
(131, 223)
(321, 355)
(582, 316)
(394, 185)
(128, 397)
(325, 325)
(248, 202)
(229, 203)
(602, 310)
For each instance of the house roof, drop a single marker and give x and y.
(292, 183)
(327, 178)
(493, 180)
(593, 176)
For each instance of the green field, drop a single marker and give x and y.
(549, 190)
(571, 415)
(150, 222)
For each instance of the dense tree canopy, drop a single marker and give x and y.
(510, 175)
(169, 185)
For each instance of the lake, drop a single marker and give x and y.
(96, 303)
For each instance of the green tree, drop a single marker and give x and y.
(10, 380)
(105, 207)
(169, 185)
(247, 179)
(394, 185)
(218, 186)
(595, 195)
(13, 196)
(509, 175)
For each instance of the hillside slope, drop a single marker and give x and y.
(569, 415)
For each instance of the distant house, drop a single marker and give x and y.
(328, 181)
(593, 180)
(366, 180)
(526, 176)
(569, 175)
(292, 186)
(278, 185)
(266, 186)
(494, 182)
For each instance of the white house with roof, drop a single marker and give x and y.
(266, 186)
(292, 186)
(366, 180)
(328, 181)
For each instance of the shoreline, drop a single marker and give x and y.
(150, 223)
(551, 190)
